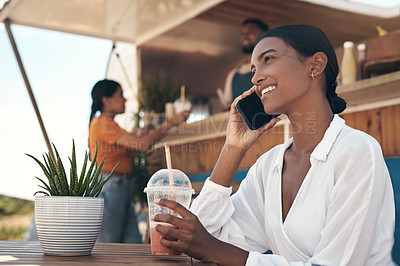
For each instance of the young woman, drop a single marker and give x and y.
(117, 145)
(324, 197)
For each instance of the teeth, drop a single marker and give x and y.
(268, 89)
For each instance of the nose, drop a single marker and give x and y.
(257, 79)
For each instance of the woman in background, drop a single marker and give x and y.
(117, 145)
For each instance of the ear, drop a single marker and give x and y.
(104, 101)
(318, 63)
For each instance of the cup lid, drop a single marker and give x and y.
(169, 178)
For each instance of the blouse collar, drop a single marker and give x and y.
(323, 148)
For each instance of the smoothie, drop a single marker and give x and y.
(156, 247)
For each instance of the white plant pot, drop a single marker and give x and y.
(68, 226)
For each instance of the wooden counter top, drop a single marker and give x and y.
(371, 90)
(213, 126)
(30, 253)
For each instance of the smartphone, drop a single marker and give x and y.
(252, 111)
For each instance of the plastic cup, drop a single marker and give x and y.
(182, 106)
(160, 187)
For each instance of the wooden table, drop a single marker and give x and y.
(30, 253)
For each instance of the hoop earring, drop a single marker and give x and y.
(312, 75)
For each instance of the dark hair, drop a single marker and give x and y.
(103, 88)
(261, 25)
(308, 40)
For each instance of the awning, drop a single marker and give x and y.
(134, 21)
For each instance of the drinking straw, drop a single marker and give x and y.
(169, 166)
(182, 94)
(168, 158)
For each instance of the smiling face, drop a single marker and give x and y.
(281, 76)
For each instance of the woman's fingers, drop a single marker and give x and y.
(246, 93)
(185, 234)
(172, 232)
(269, 125)
(175, 206)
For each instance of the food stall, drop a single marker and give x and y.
(182, 39)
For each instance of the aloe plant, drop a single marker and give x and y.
(87, 184)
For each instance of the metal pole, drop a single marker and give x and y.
(28, 87)
(126, 76)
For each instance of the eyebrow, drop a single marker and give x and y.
(262, 55)
(265, 52)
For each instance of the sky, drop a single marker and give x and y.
(62, 69)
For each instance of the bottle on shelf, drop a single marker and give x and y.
(361, 57)
(349, 64)
(381, 30)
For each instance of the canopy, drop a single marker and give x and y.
(134, 21)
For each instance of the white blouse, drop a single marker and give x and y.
(343, 213)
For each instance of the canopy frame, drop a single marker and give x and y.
(7, 24)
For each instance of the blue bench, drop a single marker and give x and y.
(393, 165)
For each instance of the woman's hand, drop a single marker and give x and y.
(191, 237)
(178, 118)
(238, 135)
(143, 131)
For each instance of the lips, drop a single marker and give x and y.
(267, 89)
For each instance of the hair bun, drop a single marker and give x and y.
(337, 103)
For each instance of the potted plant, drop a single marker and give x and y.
(154, 94)
(69, 217)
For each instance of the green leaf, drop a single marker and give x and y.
(59, 188)
(46, 186)
(45, 170)
(100, 186)
(74, 176)
(78, 187)
(72, 191)
(71, 176)
(53, 173)
(89, 173)
(95, 177)
(50, 177)
(61, 174)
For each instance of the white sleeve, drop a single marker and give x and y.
(232, 219)
(214, 209)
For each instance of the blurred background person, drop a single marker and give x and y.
(119, 146)
(239, 78)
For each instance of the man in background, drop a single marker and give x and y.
(239, 78)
